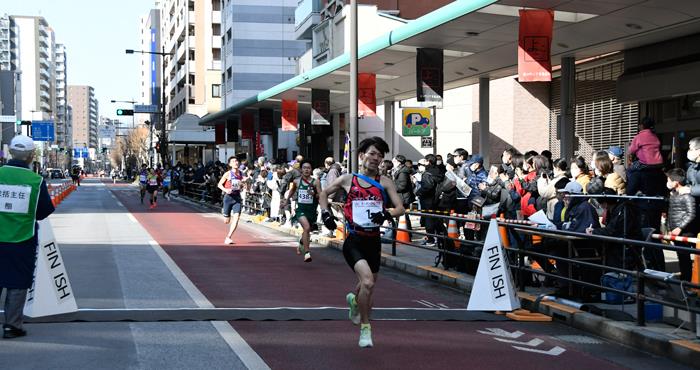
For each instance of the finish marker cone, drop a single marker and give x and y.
(453, 232)
(401, 233)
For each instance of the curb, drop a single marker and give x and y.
(678, 349)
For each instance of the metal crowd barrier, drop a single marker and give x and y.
(644, 277)
(201, 193)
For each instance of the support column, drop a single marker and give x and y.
(567, 119)
(336, 137)
(353, 87)
(484, 129)
(389, 127)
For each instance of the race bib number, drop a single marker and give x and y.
(142, 178)
(235, 185)
(14, 198)
(152, 182)
(362, 211)
(304, 197)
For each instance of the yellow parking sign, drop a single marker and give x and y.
(416, 122)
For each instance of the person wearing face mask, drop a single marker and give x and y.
(440, 164)
(681, 214)
(693, 175)
(547, 188)
(579, 172)
(477, 176)
(507, 162)
(404, 185)
(431, 177)
(604, 168)
(460, 157)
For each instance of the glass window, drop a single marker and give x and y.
(215, 91)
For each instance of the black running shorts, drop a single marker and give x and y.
(232, 204)
(368, 248)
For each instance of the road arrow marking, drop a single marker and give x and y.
(556, 351)
(532, 343)
(502, 333)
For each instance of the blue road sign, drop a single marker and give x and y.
(80, 152)
(43, 131)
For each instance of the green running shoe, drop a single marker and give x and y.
(354, 314)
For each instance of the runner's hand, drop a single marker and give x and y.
(379, 217)
(328, 220)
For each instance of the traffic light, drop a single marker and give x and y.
(104, 150)
(125, 112)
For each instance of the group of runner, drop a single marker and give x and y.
(371, 200)
(151, 180)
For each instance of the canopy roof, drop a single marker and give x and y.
(480, 39)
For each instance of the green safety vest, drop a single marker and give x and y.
(19, 197)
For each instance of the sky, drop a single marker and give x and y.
(96, 33)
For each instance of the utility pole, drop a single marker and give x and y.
(353, 86)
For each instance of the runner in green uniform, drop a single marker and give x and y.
(307, 191)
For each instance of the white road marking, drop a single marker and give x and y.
(531, 343)
(120, 204)
(556, 351)
(240, 347)
(502, 333)
(132, 218)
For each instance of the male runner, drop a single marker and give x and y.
(167, 176)
(230, 184)
(365, 210)
(143, 178)
(152, 183)
(306, 190)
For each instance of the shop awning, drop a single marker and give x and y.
(480, 40)
(185, 130)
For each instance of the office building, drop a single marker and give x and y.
(85, 115)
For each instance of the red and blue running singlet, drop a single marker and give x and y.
(234, 182)
(361, 203)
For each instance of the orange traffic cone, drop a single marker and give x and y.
(503, 231)
(402, 236)
(452, 232)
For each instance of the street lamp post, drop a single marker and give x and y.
(163, 138)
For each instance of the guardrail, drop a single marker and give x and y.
(651, 286)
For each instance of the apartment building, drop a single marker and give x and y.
(35, 47)
(63, 126)
(151, 67)
(190, 31)
(84, 112)
(9, 48)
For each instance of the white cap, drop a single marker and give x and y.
(22, 143)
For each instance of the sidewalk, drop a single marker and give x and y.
(113, 262)
(657, 338)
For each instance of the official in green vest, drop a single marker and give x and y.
(24, 199)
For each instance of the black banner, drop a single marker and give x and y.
(232, 129)
(429, 75)
(266, 121)
(320, 107)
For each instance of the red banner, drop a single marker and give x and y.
(367, 95)
(259, 148)
(289, 115)
(534, 44)
(247, 125)
(220, 133)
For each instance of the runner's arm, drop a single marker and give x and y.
(221, 184)
(339, 183)
(394, 196)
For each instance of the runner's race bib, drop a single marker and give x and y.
(235, 184)
(305, 197)
(14, 198)
(362, 211)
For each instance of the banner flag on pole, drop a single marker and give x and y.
(289, 115)
(367, 95)
(232, 129)
(493, 289)
(51, 292)
(534, 44)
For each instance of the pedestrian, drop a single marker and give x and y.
(230, 184)
(579, 172)
(460, 157)
(404, 185)
(306, 190)
(366, 208)
(604, 168)
(645, 147)
(428, 196)
(615, 153)
(681, 214)
(18, 230)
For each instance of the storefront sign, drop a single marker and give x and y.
(429, 75)
(232, 129)
(416, 122)
(220, 134)
(247, 125)
(426, 142)
(265, 117)
(367, 95)
(534, 43)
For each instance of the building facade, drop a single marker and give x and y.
(63, 127)
(190, 34)
(84, 116)
(35, 64)
(151, 66)
(9, 48)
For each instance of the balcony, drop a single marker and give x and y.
(216, 42)
(306, 16)
(216, 16)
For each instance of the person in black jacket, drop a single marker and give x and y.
(404, 185)
(681, 214)
(426, 193)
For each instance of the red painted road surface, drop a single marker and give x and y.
(262, 270)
